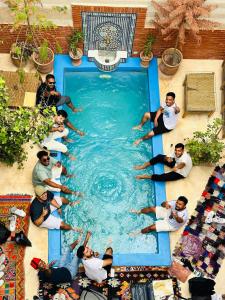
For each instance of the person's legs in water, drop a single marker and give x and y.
(170, 176)
(146, 117)
(159, 129)
(70, 262)
(108, 254)
(160, 158)
(67, 100)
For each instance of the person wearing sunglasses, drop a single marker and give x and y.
(46, 173)
(47, 95)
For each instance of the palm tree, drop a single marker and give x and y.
(176, 17)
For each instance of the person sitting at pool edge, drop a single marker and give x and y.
(58, 130)
(173, 214)
(67, 267)
(180, 162)
(47, 170)
(165, 118)
(42, 207)
(47, 95)
(95, 268)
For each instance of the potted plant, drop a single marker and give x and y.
(146, 54)
(28, 16)
(174, 18)
(74, 52)
(43, 58)
(20, 53)
(205, 147)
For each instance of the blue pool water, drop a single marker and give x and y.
(112, 104)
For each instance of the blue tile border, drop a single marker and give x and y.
(63, 63)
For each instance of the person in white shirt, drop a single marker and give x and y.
(170, 215)
(180, 162)
(95, 268)
(57, 131)
(165, 118)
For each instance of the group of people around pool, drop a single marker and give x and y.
(47, 171)
(46, 181)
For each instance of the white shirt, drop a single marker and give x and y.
(181, 213)
(169, 116)
(94, 270)
(186, 159)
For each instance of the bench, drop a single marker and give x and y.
(199, 93)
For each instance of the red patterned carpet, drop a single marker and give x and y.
(13, 288)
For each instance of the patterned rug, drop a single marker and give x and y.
(13, 288)
(204, 244)
(118, 287)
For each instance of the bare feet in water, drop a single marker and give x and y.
(138, 127)
(134, 233)
(72, 204)
(78, 194)
(77, 110)
(71, 157)
(78, 229)
(137, 142)
(70, 175)
(140, 167)
(144, 176)
(134, 211)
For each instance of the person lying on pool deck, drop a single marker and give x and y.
(67, 267)
(59, 130)
(173, 215)
(95, 268)
(180, 162)
(42, 207)
(46, 172)
(165, 118)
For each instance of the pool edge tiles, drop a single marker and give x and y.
(62, 63)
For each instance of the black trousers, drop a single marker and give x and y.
(170, 176)
(107, 268)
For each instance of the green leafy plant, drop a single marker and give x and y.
(20, 126)
(22, 50)
(75, 38)
(28, 15)
(205, 146)
(43, 54)
(148, 45)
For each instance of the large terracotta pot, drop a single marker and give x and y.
(44, 68)
(171, 60)
(76, 59)
(145, 60)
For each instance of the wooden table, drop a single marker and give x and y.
(199, 93)
(21, 94)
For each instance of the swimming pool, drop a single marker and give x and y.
(112, 104)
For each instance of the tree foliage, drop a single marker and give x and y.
(176, 16)
(20, 126)
(205, 146)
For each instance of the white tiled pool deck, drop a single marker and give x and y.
(19, 181)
